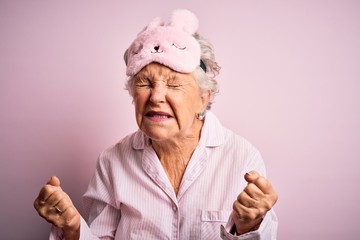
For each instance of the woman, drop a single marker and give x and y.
(182, 175)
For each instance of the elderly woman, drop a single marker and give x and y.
(182, 175)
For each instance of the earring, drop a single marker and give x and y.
(200, 115)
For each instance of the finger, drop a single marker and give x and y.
(261, 182)
(247, 201)
(66, 207)
(251, 176)
(72, 220)
(69, 215)
(54, 181)
(38, 204)
(55, 197)
(51, 186)
(244, 213)
(264, 185)
(46, 207)
(46, 191)
(62, 206)
(46, 211)
(254, 191)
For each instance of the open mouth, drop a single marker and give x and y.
(158, 115)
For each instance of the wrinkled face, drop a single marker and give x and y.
(166, 103)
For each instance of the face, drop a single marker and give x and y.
(166, 103)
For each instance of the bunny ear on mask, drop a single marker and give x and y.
(184, 20)
(172, 45)
(155, 23)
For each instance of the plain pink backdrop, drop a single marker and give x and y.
(289, 83)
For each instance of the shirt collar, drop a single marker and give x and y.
(212, 133)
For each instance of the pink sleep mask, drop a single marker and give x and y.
(172, 44)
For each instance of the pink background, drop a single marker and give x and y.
(289, 83)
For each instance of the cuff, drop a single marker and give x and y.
(85, 232)
(254, 235)
(266, 230)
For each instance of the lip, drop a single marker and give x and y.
(158, 116)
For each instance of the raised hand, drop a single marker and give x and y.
(56, 207)
(251, 205)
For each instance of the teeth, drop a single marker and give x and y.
(160, 116)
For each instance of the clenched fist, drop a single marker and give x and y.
(56, 207)
(253, 202)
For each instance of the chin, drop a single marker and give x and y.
(157, 134)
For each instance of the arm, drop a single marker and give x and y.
(252, 217)
(253, 203)
(56, 207)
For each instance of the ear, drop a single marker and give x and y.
(205, 98)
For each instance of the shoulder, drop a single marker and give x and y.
(216, 133)
(234, 147)
(236, 141)
(127, 146)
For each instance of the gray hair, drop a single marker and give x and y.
(206, 81)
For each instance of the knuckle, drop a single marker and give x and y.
(255, 203)
(262, 212)
(267, 204)
(241, 196)
(35, 204)
(71, 218)
(47, 189)
(57, 222)
(275, 197)
(235, 205)
(67, 201)
(57, 194)
(252, 216)
(251, 187)
(262, 181)
(42, 212)
(68, 221)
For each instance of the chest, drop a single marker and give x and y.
(175, 174)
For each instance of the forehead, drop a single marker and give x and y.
(161, 72)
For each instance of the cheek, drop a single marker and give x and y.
(139, 103)
(140, 98)
(185, 107)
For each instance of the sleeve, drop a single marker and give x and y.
(266, 231)
(269, 225)
(102, 212)
(85, 232)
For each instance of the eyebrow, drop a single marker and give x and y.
(169, 76)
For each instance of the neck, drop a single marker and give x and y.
(169, 151)
(175, 156)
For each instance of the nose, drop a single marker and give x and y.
(158, 94)
(157, 48)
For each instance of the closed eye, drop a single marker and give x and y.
(137, 48)
(174, 85)
(181, 48)
(143, 82)
(143, 85)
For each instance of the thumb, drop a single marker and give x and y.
(251, 176)
(54, 181)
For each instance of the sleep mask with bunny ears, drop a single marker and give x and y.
(172, 44)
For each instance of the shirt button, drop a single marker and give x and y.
(174, 208)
